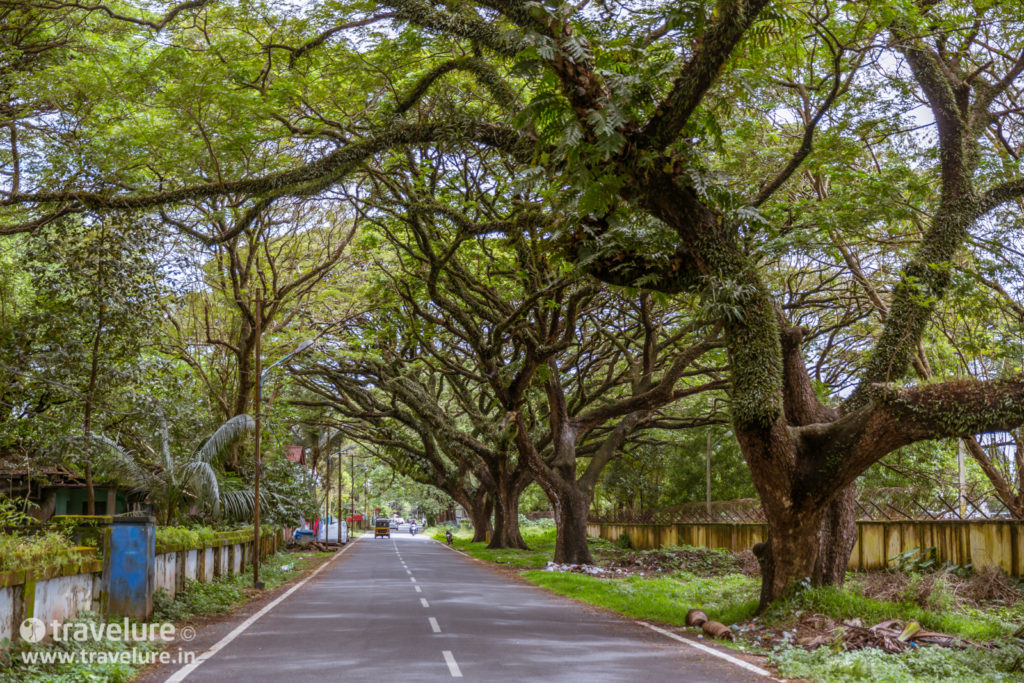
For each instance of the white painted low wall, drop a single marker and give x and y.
(175, 567)
(192, 564)
(8, 611)
(52, 595)
(166, 573)
(61, 593)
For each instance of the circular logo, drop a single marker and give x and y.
(188, 633)
(32, 630)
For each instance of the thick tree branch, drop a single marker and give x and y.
(699, 74)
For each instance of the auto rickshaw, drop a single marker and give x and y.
(382, 528)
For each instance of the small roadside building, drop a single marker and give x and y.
(54, 490)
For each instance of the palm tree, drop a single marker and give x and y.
(171, 481)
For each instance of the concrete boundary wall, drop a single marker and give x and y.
(61, 593)
(987, 543)
(50, 594)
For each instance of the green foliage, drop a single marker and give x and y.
(728, 598)
(188, 537)
(916, 560)
(847, 604)
(13, 668)
(48, 549)
(670, 468)
(215, 597)
(11, 513)
(541, 523)
(921, 664)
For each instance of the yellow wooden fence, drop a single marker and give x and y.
(988, 543)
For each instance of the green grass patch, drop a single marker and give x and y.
(540, 540)
(844, 603)
(15, 669)
(919, 665)
(728, 599)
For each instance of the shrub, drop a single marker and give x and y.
(922, 664)
(50, 549)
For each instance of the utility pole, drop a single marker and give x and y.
(327, 497)
(961, 477)
(256, 455)
(352, 476)
(257, 460)
(340, 471)
(707, 477)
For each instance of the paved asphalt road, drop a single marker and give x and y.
(409, 609)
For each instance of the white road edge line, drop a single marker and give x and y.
(710, 650)
(434, 626)
(184, 671)
(453, 666)
(423, 601)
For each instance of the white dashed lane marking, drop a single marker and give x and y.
(434, 626)
(453, 666)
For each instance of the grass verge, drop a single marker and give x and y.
(664, 599)
(113, 661)
(74, 661)
(665, 596)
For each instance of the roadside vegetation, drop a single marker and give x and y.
(22, 548)
(197, 602)
(37, 551)
(15, 669)
(812, 634)
(225, 593)
(609, 258)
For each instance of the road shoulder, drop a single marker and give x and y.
(209, 630)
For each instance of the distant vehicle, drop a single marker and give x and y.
(382, 528)
(394, 524)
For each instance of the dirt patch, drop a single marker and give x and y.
(699, 561)
(942, 589)
(811, 631)
(992, 586)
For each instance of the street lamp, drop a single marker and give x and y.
(262, 374)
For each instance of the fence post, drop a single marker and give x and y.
(128, 568)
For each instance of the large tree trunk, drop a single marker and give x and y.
(506, 514)
(788, 558)
(243, 395)
(480, 514)
(571, 505)
(90, 491)
(90, 396)
(837, 534)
